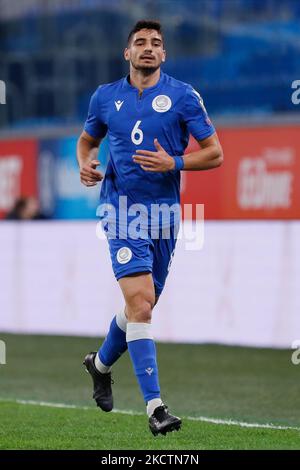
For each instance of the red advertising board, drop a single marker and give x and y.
(18, 171)
(259, 179)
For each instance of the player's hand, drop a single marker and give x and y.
(89, 176)
(154, 161)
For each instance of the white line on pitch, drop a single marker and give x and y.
(227, 422)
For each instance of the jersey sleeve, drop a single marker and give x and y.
(94, 124)
(195, 115)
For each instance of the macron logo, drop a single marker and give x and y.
(149, 370)
(118, 104)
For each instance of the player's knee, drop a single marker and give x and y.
(139, 307)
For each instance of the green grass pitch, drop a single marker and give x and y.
(245, 385)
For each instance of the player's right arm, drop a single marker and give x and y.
(87, 151)
(88, 143)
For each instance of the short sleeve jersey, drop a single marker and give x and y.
(169, 111)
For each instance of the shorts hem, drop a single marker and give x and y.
(141, 269)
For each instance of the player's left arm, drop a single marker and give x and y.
(209, 155)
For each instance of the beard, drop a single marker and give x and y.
(146, 70)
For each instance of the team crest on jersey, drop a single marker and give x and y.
(124, 255)
(161, 103)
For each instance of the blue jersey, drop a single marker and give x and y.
(168, 111)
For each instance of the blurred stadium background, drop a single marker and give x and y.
(242, 288)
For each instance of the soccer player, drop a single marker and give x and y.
(148, 117)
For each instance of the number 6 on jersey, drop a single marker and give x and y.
(137, 132)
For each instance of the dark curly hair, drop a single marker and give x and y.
(145, 24)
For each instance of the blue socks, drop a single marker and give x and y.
(114, 345)
(142, 351)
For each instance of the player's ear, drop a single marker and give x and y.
(164, 56)
(126, 54)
